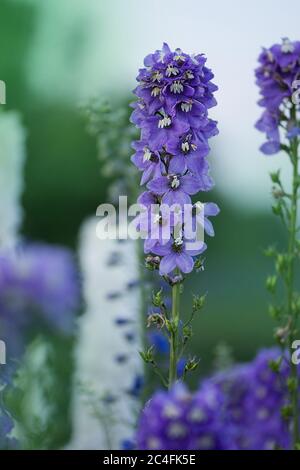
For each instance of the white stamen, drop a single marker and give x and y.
(175, 182)
(186, 107)
(185, 147)
(179, 55)
(261, 392)
(176, 430)
(176, 87)
(197, 415)
(155, 91)
(188, 74)
(205, 442)
(154, 443)
(199, 207)
(178, 241)
(157, 76)
(147, 154)
(171, 70)
(171, 411)
(287, 46)
(164, 122)
(262, 413)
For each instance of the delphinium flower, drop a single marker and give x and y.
(278, 76)
(254, 395)
(174, 94)
(236, 409)
(179, 420)
(12, 157)
(109, 369)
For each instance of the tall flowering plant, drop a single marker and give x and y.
(174, 94)
(278, 76)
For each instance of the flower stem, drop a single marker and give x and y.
(290, 291)
(174, 335)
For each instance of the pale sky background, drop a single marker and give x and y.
(87, 48)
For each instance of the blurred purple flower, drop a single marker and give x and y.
(276, 75)
(239, 408)
(177, 420)
(38, 287)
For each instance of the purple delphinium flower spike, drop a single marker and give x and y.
(278, 79)
(174, 94)
(277, 76)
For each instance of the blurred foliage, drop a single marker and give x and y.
(39, 401)
(114, 133)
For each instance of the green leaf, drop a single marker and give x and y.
(271, 282)
(198, 302)
(157, 299)
(275, 177)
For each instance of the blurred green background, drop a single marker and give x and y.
(64, 185)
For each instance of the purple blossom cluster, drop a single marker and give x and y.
(38, 287)
(174, 93)
(278, 77)
(179, 420)
(235, 409)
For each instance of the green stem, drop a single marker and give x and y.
(290, 290)
(174, 335)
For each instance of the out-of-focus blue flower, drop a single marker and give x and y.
(38, 288)
(235, 409)
(159, 341)
(253, 398)
(177, 420)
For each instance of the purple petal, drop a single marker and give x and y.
(162, 249)
(208, 227)
(177, 164)
(168, 263)
(195, 248)
(147, 199)
(184, 262)
(159, 185)
(211, 209)
(270, 148)
(176, 197)
(190, 184)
